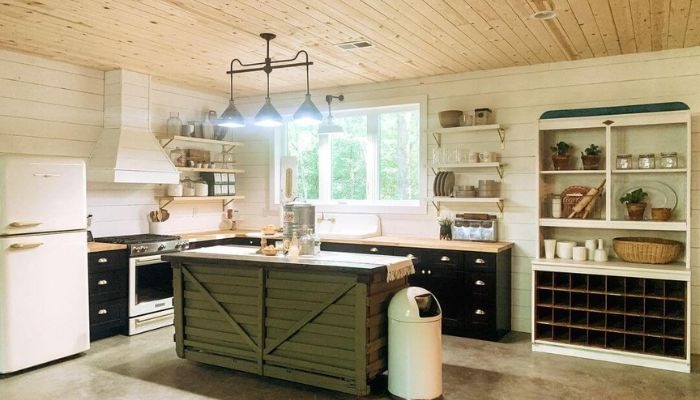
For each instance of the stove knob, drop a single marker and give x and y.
(185, 245)
(161, 247)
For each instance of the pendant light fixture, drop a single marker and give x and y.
(268, 116)
(329, 126)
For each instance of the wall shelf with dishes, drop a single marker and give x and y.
(641, 208)
(454, 167)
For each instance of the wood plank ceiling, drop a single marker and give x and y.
(193, 41)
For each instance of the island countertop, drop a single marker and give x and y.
(325, 261)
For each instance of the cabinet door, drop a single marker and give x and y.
(447, 285)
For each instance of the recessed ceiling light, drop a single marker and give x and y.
(544, 15)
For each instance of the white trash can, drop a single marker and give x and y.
(415, 345)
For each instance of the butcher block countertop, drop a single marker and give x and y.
(400, 241)
(94, 247)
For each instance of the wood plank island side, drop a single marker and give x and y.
(306, 322)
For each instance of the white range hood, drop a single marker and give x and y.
(127, 151)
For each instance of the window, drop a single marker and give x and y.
(375, 161)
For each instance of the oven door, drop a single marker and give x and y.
(150, 285)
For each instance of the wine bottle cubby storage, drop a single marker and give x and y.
(613, 312)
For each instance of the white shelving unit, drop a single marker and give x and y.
(468, 167)
(645, 308)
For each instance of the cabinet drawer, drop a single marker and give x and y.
(417, 255)
(103, 259)
(482, 284)
(444, 258)
(103, 312)
(480, 261)
(108, 284)
(358, 248)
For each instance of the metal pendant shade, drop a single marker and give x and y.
(231, 117)
(268, 116)
(308, 113)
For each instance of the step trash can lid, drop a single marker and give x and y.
(414, 304)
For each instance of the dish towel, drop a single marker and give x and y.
(396, 267)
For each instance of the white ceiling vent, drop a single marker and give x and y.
(357, 44)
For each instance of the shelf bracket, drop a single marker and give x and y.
(223, 207)
(502, 136)
(226, 148)
(162, 206)
(500, 206)
(168, 142)
(438, 138)
(499, 169)
(435, 171)
(436, 205)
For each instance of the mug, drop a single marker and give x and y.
(473, 157)
(579, 253)
(485, 156)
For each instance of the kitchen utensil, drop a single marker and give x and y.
(175, 190)
(579, 253)
(550, 246)
(565, 249)
(659, 195)
(586, 200)
(571, 196)
(448, 183)
(449, 118)
(165, 215)
(591, 248)
(647, 250)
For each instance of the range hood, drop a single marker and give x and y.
(130, 155)
(127, 151)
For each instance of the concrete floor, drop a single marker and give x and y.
(145, 367)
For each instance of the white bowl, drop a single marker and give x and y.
(565, 249)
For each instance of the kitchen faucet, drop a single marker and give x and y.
(323, 218)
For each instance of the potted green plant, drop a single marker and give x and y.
(561, 158)
(445, 228)
(590, 157)
(634, 201)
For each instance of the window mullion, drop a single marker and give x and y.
(372, 152)
(324, 168)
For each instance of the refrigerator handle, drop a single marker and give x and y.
(23, 246)
(24, 224)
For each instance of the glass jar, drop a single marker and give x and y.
(669, 160)
(177, 156)
(187, 187)
(556, 206)
(646, 161)
(174, 124)
(624, 161)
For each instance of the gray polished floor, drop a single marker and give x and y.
(145, 367)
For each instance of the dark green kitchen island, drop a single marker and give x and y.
(320, 321)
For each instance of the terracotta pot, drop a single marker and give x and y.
(635, 211)
(590, 162)
(445, 232)
(561, 162)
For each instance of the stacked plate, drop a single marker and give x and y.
(444, 183)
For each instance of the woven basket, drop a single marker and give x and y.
(647, 250)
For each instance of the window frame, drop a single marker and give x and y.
(419, 206)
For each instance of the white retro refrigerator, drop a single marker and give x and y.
(43, 261)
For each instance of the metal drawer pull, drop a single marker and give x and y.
(480, 312)
(22, 246)
(480, 283)
(422, 271)
(102, 282)
(410, 256)
(480, 261)
(430, 272)
(374, 250)
(102, 260)
(152, 320)
(102, 311)
(24, 224)
(445, 258)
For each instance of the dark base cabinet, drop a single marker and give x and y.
(108, 283)
(473, 288)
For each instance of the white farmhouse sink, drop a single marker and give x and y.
(348, 226)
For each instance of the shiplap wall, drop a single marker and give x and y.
(47, 107)
(519, 96)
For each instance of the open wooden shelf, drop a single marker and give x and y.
(614, 224)
(228, 170)
(467, 200)
(437, 133)
(226, 200)
(575, 172)
(650, 171)
(639, 315)
(167, 140)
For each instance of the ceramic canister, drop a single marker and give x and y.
(565, 249)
